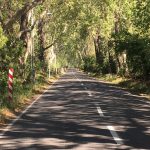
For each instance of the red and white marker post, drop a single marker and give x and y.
(10, 84)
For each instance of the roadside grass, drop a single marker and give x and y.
(23, 95)
(134, 86)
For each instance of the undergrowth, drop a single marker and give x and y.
(22, 95)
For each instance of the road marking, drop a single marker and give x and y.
(110, 128)
(82, 84)
(18, 117)
(76, 76)
(115, 135)
(99, 110)
(90, 94)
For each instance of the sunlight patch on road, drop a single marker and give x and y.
(30, 142)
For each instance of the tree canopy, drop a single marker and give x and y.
(106, 36)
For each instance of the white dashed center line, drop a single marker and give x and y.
(110, 128)
(115, 135)
(90, 94)
(100, 112)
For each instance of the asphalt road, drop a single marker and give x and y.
(81, 113)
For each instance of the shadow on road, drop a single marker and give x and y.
(66, 118)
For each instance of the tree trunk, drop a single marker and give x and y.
(27, 40)
(116, 32)
(98, 53)
(41, 40)
(26, 36)
(110, 63)
(23, 37)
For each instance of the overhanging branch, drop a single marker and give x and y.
(32, 27)
(50, 45)
(28, 6)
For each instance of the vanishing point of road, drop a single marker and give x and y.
(81, 113)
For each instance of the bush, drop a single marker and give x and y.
(90, 64)
(138, 53)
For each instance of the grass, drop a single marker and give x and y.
(23, 96)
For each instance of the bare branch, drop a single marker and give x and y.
(50, 45)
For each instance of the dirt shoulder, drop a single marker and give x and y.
(8, 114)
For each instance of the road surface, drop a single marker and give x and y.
(81, 113)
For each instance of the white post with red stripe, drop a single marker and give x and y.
(10, 84)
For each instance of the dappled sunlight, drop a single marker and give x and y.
(66, 118)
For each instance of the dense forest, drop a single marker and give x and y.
(38, 37)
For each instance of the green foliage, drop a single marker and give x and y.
(141, 15)
(118, 27)
(90, 64)
(138, 53)
(3, 38)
